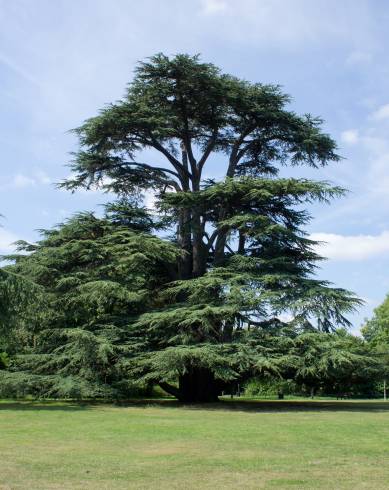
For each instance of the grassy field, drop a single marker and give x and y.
(248, 445)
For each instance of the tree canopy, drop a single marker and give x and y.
(376, 329)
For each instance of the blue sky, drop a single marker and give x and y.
(62, 60)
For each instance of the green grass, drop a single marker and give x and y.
(248, 445)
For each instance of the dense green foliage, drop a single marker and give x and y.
(94, 277)
(376, 333)
(376, 330)
(190, 295)
(337, 364)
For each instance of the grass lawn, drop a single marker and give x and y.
(248, 445)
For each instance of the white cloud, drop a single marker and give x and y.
(352, 247)
(6, 240)
(294, 24)
(21, 181)
(358, 58)
(42, 177)
(213, 6)
(376, 176)
(381, 113)
(350, 136)
(366, 175)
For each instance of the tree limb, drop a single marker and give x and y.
(172, 390)
(210, 146)
(182, 171)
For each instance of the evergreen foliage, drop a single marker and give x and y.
(336, 363)
(95, 275)
(190, 295)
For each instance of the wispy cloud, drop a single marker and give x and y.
(352, 248)
(381, 113)
(21, 181)
(292, 24)
(359, 57)
(42, 178)
(20, 71)
(210, 7)
(350, 136)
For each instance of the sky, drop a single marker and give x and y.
(63, 60)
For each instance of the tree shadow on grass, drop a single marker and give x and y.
(260, 406)
(268, 406)
(67, 406)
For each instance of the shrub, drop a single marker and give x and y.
(269, 387)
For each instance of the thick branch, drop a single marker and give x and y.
(186, 136)
(242, 243)
(210, 146)
(212, 238)
(189, 151)
(229, 249)
(158, 169)
(235, 156)
(182, 171)
(172, 390)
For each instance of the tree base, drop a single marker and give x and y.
(195, 386)
(198, 386)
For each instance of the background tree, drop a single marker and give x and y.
(376, 332)
(337, 364)
(318, 363)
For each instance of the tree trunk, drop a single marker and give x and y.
(221, 239)
(228, 330)
(220, 245)
(198, 386)
(185, 227)
(199, 259)
(185, 242)
(170, 389)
